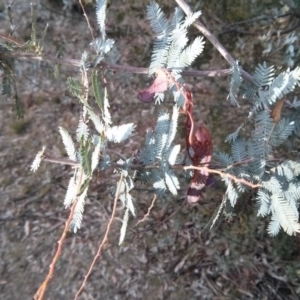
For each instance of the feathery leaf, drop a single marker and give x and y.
(118, 134)
(69, 145)
(101, 15)
(38, 159)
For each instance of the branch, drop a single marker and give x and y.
(193, 73)
(212, 39)
(11, 39)
(44, 57)
(180, 167)
(42, 289)
(61, 161)
(73, 163)
(226, 175)
(104, 239)
(113, 67)
(87, 19)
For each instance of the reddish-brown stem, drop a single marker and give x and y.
(226, 175)
(42, 289)
(105, 238)
(192, 127)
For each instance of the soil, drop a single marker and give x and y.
(172, 255)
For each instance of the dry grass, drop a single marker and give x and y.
(167, 256)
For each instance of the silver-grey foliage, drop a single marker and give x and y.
(171, 49)
(279, 193)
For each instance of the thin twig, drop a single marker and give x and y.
(42, 289)
(87, 19)
(142, 167)
(122, 68)
(62, 161)
(225, 175)
(11, 39)
(113, 67)
(193, 73)
(243, 162)
(148, 212)
(118, 154)
(105, 238)
(43, 57)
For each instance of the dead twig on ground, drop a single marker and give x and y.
(148, 212)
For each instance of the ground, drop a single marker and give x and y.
(172, 255)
